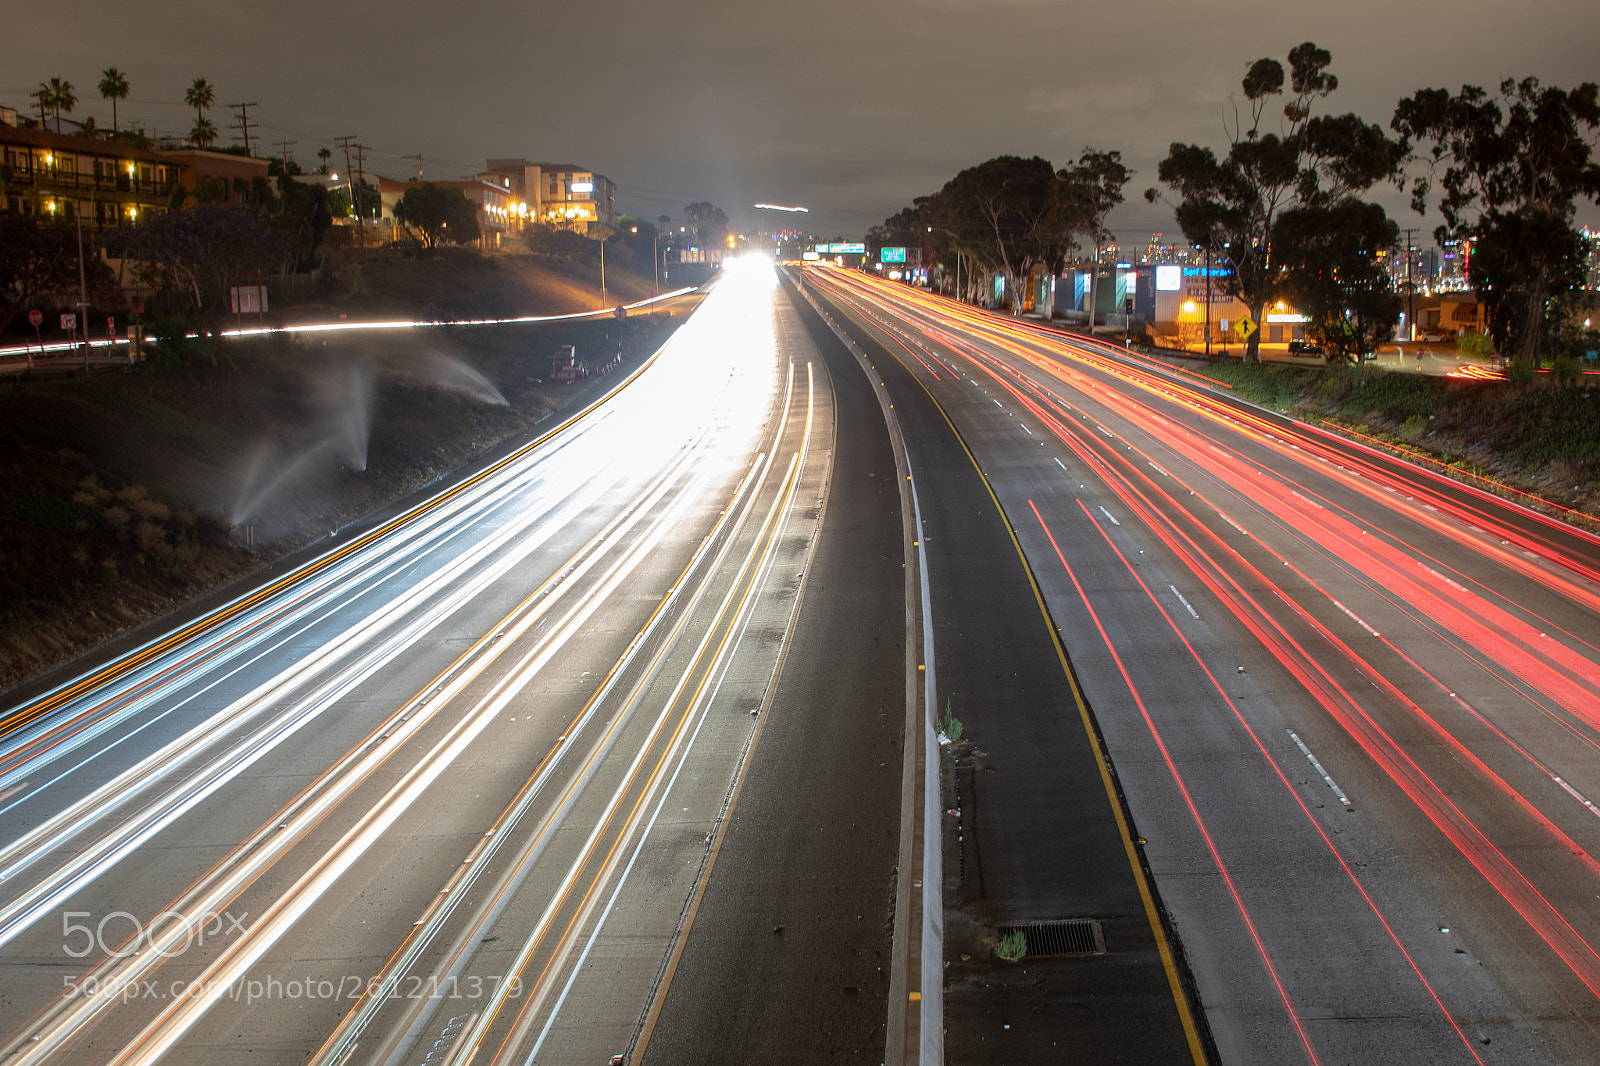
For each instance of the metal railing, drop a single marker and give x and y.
(62, 181)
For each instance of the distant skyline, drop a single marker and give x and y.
(848, 108)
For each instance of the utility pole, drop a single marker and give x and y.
(418, 158)
(283, 162)
(83, 289)
(243, 122)
(1208, 299)
(350, 179)
(1411, 290)
(361, 177)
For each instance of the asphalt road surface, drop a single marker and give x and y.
(1354, 707)
(450, 789)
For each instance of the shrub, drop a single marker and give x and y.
(1012, 946)
(950, 725)
(52, 512)
(1470, 343)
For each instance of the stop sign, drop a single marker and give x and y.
(35, 317)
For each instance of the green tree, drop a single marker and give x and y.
(113, 87)
(1231, 206)
(37, 256)
(1004, 215)
(200, 95)
(1334, 274)
(323, 155)
(440, 215)
(191, 257)
(1092, 189)
(707, 222)
(638, 236)
(62, 98)
(204, 134)
(1510, 171)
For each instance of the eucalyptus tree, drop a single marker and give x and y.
(1091, 190)
(1002, 215)
(1335, 274)
(1509, 170)
(1231, 206)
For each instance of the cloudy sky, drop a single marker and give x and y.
(850, 107)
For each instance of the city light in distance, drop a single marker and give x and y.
(780, 207)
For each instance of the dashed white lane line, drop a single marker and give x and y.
(1354, 616)
(1186, 604)
(1337, 791)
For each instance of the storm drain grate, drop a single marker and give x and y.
(1067, 936)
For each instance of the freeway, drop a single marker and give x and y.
(446, 791)
(1353, 707)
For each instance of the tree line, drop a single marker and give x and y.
(1283, 207)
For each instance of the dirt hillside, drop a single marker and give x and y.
(126, 493)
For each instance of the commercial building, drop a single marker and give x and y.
(104, 182)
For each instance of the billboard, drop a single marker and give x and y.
(1169, 278)
(842, 249)
(891, 255)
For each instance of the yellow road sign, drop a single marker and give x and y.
(1244, 327)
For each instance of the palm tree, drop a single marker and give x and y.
(113, 87)
(42, 96)
(200, 96)
(62, 98)
(324, 154)
(203, 133)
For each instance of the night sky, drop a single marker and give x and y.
(850, 107)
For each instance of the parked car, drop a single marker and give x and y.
(1431, 336)
(1306, 348)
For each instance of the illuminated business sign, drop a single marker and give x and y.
(1169, 278)
(842, 249)
(583, 186)
(891, 255)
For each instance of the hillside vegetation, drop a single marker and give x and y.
(1541, 437)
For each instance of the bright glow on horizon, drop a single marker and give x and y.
(780, 207)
